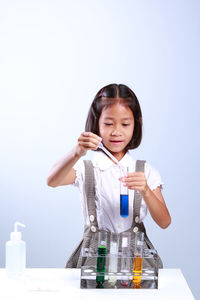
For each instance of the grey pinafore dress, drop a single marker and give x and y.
(90, 236)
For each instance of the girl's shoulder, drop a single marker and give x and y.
(152, 175)
(79, 165)
(131, 160)
(80, 173)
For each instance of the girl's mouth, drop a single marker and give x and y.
(116, 142)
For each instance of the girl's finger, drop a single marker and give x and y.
(88, 145)
(122, 179)
(138, 183)
(135, 188)
(91, 134)
(133, 180)
(136, 174)
(88, 140)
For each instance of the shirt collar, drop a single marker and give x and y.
(103, 162)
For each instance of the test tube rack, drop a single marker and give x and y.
(146, 278)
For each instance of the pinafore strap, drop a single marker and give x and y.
(90, 231)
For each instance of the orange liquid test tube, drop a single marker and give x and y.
(138, 260)
(137, 270)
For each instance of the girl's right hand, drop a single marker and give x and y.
(87, 141)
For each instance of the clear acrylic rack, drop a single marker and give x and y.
(125, 274)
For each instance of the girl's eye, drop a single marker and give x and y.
(108, 124)
(125, 124)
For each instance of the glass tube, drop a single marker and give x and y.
(126, 253)
(113, 261)
(101, 258)
(124, 203)
(138, 259)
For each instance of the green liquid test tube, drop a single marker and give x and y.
(101, 258)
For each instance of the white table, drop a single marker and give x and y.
(65, 284)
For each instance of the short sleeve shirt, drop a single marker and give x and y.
(107, 187)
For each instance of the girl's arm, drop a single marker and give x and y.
(62, 172)
(154, 199)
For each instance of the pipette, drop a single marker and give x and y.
(101, 146)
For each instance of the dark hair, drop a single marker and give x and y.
(109, 95)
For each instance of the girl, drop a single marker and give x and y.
(114, 118)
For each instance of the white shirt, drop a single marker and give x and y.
(107, 186)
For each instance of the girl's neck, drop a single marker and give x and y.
(119, 155)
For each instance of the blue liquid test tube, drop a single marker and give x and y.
(124, 203)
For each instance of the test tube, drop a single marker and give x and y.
(113, 261)
(138, 259)
(124, 203)
(101, 258)
(126, 253)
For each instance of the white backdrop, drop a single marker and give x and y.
(54, 57)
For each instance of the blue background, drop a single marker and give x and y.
(54, 57)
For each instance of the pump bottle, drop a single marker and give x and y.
(15, 253)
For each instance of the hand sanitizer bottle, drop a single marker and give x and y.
(15, 253)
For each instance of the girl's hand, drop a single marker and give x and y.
(135, 181)
(87, 141)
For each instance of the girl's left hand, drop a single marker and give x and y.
(135, 181)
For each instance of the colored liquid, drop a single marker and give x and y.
(124, 206)
(113, 261)
(101, 266)
(137, 269)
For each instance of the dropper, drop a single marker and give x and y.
(101, 146)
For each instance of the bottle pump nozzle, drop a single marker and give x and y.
(16, 235)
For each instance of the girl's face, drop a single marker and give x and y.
(116, 126)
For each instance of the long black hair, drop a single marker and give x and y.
(110, 95)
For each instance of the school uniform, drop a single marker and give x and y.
(99, 185)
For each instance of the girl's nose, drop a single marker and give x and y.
(115, 133)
